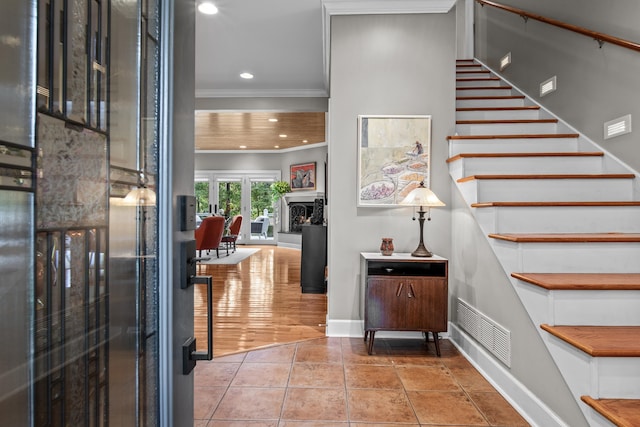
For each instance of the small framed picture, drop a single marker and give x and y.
(303, 176)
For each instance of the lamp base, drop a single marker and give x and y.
(422, 251)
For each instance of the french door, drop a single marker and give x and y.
(247, 193)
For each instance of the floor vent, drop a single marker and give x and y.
(492, 336)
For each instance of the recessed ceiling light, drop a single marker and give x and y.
(207, 8)
(243, 146)
(276, 146)
(273, 120)
(304, 141)
(282, 135)
(246, 75)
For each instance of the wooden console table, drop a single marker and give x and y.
(404, 293)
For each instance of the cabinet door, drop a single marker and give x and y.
(426, 304)
(385, 303)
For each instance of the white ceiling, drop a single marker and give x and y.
(278, 41)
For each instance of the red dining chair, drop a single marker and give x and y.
(209, 234)
(234, 232)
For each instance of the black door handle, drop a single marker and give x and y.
(189, 353)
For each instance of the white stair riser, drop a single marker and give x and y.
(498, 115)
(475, 75)
(506, 128)
(474, 103)
(610, 377)
(484, 81)
(559, 219)
(534, 190)
(579, 307)
(594, 418)
(506, 91)
(527, 165)
(547, 145)
(568, 257)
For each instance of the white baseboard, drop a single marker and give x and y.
(355, 329)
(523, 400)
(289, 245)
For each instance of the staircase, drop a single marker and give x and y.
(564, 221)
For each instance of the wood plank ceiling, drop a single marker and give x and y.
(216, 131)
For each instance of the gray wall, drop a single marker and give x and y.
(384, 64)
(595, 84)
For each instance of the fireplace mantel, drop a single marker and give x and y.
(303, 196)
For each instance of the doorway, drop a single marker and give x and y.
(246, 193)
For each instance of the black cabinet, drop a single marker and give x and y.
(314, 259)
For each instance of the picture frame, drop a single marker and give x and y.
(394, 156)
(302, 176)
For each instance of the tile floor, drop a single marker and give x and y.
(332, 382)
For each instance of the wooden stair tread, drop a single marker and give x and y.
(567, 237)
(515, 136)
(472, 71)
(484, 87)
(465, 65)
(600, 341)
(537, 154)
(504, 122)
(552, 204)
(551, 176)
(478, 79)
(527, 107)
(488, 98)
(582, 281)
(621, 412)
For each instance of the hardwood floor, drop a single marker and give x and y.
(258, 302)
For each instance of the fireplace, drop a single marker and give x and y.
(299, 213)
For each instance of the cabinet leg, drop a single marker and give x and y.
(436, 340)
(370, 347)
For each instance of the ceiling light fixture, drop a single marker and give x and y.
(243, 146)
(246, 75)
(304, 141)
(276, 146)
(282, 135)
(273, 120)
(207, 8)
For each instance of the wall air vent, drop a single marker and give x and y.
(505, 61)
(617, 127)
(548, 86)
(486, 331)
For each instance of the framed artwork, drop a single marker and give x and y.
(303, 176)
(393, 158)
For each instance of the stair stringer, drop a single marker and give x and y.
(583, 374)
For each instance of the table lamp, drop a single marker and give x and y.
(424, 198)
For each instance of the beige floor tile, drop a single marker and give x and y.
(427, 378)
(243, 423)
(250, 403)
(497, 410)
(438, 407)
(470, 379)
(281, 353)
(210, 374)
(316, 375)
(318, 354)
(262, 375)
(380, 406)
(206, 400)
(315, 404)
(371, 376)
(238, 357)
(312, 424)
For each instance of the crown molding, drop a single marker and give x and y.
(276, 151)
(267, 93)
(372, 7)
